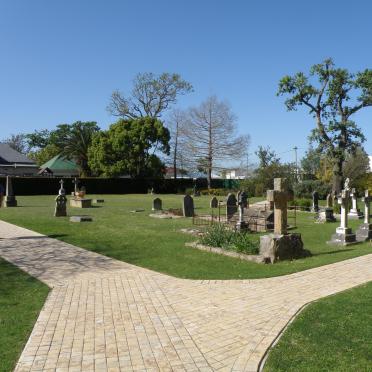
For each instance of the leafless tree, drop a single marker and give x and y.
(151, 96)
(211, 137)
(18, 142)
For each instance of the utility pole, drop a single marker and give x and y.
(295, 151)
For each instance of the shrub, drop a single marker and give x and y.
(305, 189)
(306, 203)
(221, 236)
(214, 192)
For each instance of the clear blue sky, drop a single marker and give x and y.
(60, 60)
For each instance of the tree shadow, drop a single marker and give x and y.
(332, 252)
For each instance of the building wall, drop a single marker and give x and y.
(18, 171)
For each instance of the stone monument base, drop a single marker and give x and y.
(355, 214)
(81, 203)
(343, 236)
(60, 213)
(9, 201)
(327, 215)
(275, 247)
(364, 232)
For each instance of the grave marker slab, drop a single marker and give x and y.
(231, 206)
(188, 206)
(157, 204)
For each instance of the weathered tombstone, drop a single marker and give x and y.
(280, 245)
(231, 206)
(364, 231)
(344, 234)
(242, 202)
(354, 212)
(326, 215)
(9, 199)
(214, 202)
(188, 206)
(315, 207)
(61, 201)
(157, 204)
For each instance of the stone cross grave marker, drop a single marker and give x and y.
(188, 206)
(364, 231)
(157, 204)
(279, 196)
(214, 202)
(242, 202)
(354, 211)
(61, 201)
(9, 199)
(231, 206)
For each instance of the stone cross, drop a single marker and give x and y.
(279, 196)
(242, 202)
(343, 200)
(367, 208)
(62, 189)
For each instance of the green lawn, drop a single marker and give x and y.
(157, 244)
(21, 298)
(332, 334)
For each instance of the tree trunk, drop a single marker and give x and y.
(175, 156)
(209, 176)
(337, 176)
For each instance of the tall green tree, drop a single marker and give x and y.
(151, 95)
(130, 147)
(332, 96)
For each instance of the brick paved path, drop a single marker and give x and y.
(106, 315)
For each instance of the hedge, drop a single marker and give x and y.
(50, 185)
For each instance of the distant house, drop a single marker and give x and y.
(59, 166)
(234, 174)
(14, 163)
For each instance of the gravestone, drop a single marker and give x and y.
(157, 204)
(327, 215)
(231, 206)
(280, 245)
(9, 198)
(242, 202)
(344, 234)
(81, 219)
(315, 207)
(61, 201)
(364, 231)
(76, 185)
(354, 212)
(188, 206)
(214, 202)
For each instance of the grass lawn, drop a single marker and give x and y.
(332, 334)
(21, 298)
(157, 244)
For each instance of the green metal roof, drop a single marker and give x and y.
(60, 163)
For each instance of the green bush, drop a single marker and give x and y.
(219, 235)
(305, 189)
(214, 192)
(306, 203)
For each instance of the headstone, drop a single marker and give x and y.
(344, 234)
(9, 199)
(242, 202)
(315, 207)
(329, 201)
(80, 203)
(214, 202)
(61, 201)
(81, 219)
(157, 204)
(280, 245)
(354, 212)
(327, 215)
(188, 206)
(231, 206)
(279, 196)
(364, 231)
(76, 185)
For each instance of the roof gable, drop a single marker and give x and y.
(11, 156)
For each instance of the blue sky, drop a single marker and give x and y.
(60, 61)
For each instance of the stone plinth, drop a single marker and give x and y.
(276, 247)
(355, 214)
(9, 201)
(327, 215)
(364, 232)
(81, 219)
(343, 236)
(81, 203)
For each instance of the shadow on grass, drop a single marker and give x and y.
(332, 252)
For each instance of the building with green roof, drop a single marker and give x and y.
(59, 166)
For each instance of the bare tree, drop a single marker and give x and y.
(177, 125)
(211, 135)
(18, 142)
(151, 96)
